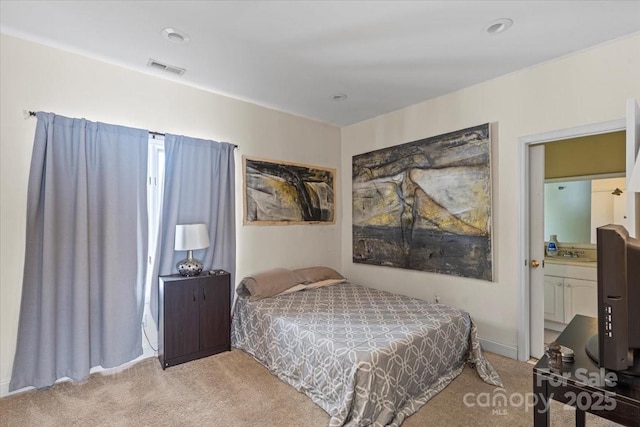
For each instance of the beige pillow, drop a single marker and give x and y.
(268, 284)
(316, 274)
(293, 289)
(322, 283)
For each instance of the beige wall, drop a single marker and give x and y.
(585, 88)
(34, 77)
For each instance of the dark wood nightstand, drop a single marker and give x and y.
(194, 317)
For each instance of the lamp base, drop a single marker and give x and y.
(189, 267)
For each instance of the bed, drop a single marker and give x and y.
(365, 356)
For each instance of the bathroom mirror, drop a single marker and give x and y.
(575, 207)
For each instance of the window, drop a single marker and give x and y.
(155, 172)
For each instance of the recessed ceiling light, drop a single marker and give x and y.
(498, 26)
(175, 36)
(339, 97)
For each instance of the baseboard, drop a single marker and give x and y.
(147, 352)
(499, 348)
(4, 389)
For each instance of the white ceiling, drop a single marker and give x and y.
(294, 55)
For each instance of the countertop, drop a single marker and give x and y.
(581, 262)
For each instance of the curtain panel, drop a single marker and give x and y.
(199, 187)
(86, 251)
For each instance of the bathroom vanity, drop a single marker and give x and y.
(570, 288)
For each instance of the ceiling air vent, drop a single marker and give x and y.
(164, 67)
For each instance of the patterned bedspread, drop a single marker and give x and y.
(367, 357)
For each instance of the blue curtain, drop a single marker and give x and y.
(86, 251)
(198, 188)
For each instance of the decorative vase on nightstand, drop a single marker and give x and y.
(189, 266)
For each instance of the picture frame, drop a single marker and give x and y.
(277, 192)
(426, 205)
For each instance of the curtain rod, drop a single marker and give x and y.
(33, 114)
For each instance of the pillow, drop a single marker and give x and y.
(268, 284)
(316, 274)
(322, 283)
(293, 289)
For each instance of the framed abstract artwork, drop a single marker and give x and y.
(426, 205)
(282, 193)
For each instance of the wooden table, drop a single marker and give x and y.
(581, 384)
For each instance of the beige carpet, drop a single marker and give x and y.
(232, 389)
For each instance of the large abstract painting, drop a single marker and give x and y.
(426, 205)
(277, 192)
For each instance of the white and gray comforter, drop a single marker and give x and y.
(367, 357)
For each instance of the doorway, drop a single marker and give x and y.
(584, 183)
(531, 289)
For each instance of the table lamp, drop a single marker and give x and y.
(190, 237)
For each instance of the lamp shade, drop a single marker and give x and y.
(634, 180)
(191, 237)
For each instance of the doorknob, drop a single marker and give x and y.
(535, 263)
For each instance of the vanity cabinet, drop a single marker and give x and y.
(554, 299)
(569, 290)
(580, 297)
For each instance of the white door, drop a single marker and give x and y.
(536, 248)
(633, 144)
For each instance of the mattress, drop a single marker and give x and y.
(367, 357)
